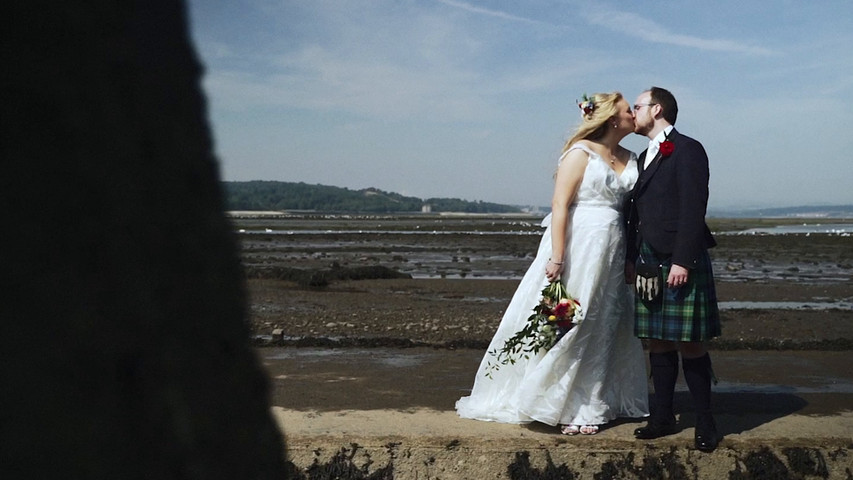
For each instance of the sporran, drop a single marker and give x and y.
(649, 282)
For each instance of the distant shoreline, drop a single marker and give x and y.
(289, 213)
(839, 217)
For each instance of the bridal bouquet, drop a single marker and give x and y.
(551, 319)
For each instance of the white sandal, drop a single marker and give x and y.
(570, 430)
(588, 430)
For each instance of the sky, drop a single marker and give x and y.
(474, 99)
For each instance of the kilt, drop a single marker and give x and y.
(686, 314)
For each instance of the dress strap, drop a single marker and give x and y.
(577, 146)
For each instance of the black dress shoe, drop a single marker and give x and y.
(705, 436)
(656, 429)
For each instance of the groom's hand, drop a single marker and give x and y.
(677, 276)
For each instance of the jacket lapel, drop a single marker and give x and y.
(647, 173)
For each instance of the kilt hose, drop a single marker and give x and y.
(685, 314)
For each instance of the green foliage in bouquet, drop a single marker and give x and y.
(551, 319)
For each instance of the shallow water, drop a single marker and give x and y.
(842, 305)
(842, 229)
(502, 247)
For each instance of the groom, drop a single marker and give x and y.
(667, 228)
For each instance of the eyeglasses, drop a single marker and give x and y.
(641, 105)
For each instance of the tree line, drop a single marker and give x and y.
(272, 195)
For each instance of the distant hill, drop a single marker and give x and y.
(823, 211)
(269, 195)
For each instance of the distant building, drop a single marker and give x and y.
(426, 208)
(534, 210)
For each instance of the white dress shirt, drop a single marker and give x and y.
(654, 146)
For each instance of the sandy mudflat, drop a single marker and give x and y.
(466, 312)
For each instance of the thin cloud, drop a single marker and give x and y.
(652, 32)
(319, 79)
(485, 11)
(641, 28)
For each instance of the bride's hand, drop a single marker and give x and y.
(553, 270)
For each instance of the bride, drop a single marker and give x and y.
(596, 372)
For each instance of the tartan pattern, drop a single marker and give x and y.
(686, 314)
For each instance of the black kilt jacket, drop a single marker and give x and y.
(668, 204)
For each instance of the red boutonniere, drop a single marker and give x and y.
(666, 148)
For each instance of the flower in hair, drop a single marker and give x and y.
(586, 104)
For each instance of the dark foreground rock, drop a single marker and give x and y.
(124, 343)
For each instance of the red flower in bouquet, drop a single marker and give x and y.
(566, 307)
(551, 319)
(666, 148)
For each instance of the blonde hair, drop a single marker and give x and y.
(594, 124)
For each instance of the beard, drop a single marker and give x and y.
(642, 129)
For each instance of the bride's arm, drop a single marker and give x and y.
(566, 184)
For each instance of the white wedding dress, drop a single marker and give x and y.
(597, 371)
